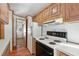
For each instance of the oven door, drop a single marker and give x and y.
(43, 50)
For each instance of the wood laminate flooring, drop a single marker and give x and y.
(21, 49)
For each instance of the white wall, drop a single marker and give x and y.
(10, 29)
(7, 35)
(39, 31)
(20, 28)
(53, 27)
(72, 30)
(36, 30)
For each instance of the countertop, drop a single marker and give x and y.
(66, 47)
(69, 48)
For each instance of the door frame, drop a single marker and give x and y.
(16, 31)
(26, 31)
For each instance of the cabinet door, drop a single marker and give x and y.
(47, 14)
(43, 15)
(72, 12)
(40, 19)
(37, 19)
(4, 12)
(55, 10)
(34, 19)
(1, 31)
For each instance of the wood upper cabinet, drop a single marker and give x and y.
(34, 19)
(55, 9)
(1, 31)
(72, 12)
(52, 11)
(68, 11)
(46, 14)
(40, 18)
(49, 13)
(4, 13)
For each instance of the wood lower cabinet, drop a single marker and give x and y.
(60, 53)
(34, 47)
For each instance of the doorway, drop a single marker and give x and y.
(21, 49)
(20, 34)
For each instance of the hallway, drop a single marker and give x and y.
(21, 50)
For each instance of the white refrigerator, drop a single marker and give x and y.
(29, 34)
(32, 32)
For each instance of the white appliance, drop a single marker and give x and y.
(55, 21)
(33, 31)
(29, 32)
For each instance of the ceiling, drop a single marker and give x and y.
(25, 9)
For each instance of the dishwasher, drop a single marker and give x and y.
(43, 50)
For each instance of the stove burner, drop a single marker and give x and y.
(52, 43)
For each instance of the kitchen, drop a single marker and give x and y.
(59, 28)
(51, 28)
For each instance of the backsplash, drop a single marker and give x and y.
(72, 30)
(53, 27)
